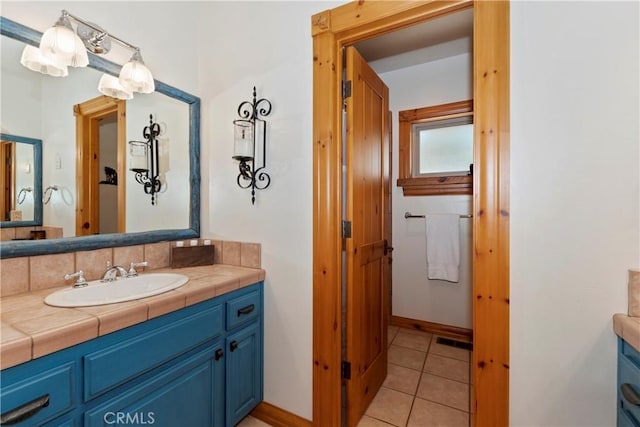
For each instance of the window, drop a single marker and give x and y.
(436, 150)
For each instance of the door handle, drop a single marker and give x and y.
(629, 394)
(86, 225)
(233, 345)
(25, 411)
(219, 354)
(246, 310)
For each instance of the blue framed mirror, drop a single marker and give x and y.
(21, 198)
(182, 168)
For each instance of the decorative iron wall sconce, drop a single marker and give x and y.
(248, 129)
(145, 159)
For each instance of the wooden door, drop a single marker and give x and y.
(367, 176)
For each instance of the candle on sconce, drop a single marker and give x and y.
(138, 159)
(243, 140)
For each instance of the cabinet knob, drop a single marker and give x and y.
(219, 354)
(233, 345)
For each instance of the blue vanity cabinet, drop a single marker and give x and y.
(628, 385)
(243, 385)
(199, 366)
(244, 376)
(181, 395)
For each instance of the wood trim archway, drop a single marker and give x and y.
(360, 20)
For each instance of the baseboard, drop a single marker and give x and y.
(434, 328)
(278, 417)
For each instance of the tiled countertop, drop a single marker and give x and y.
(628, 328)
(31, 329)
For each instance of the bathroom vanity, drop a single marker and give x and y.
(200, 365)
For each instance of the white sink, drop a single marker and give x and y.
(127, 289)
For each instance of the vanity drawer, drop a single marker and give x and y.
(39, 398)
(113, 365)
(243, 309)
(629, 382)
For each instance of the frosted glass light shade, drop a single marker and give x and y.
(111, 86)
(135, 76)
(35, 60)
(62, 43)
(59, 40)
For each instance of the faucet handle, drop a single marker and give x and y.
(80, 282)
(132, 268)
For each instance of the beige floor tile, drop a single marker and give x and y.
(367, 421)
(413, 340)
(406, 357)
(448, 351)
(444, 391)
(429, 414)
(402, 379)
(390, 406)
(447, 367)
(391, 334)
(249, 421)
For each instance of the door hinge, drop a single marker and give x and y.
(346, 370)
(346, 229)
(346, 89)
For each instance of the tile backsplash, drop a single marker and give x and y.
(27, 274)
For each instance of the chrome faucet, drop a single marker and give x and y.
(132, 268)
(112, 271)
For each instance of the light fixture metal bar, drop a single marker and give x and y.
(100, 30)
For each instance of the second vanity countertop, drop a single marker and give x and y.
(627, 328)
(31, 329)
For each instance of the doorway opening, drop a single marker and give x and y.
(358, 21)
(101, 168)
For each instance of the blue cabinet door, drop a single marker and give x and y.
(244, 372)
(180, 395)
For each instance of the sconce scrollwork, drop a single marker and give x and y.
(145, 160)
(250, 129)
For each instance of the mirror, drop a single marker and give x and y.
(176, 214)
(21, 181)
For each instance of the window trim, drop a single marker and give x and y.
(446, 183)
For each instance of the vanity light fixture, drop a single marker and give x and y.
(61, 47)
(247, 129)
(145, 160)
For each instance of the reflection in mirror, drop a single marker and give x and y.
(20, 178)
(49, 106)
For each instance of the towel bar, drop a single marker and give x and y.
(410, 215)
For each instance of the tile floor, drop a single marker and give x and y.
(427, 385)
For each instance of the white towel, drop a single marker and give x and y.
(443, 247)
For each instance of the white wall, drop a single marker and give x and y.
(574, 205)
(269, 45)
(108, 193)
(415, 296)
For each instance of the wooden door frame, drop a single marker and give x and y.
(87, 114)
(359, 20)
(7, 178)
